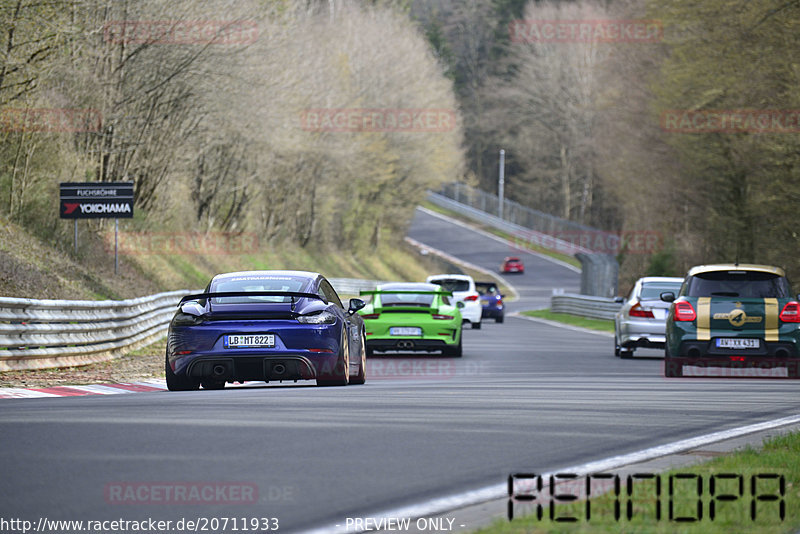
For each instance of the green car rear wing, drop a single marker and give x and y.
(406, 292)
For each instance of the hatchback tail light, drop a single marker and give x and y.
(790, 312)
(471, 298)
(684, 311)
(638, 311)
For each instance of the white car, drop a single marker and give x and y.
(463, 288)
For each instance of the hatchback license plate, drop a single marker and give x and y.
(237, 341)
(737, 343)
(405, 331)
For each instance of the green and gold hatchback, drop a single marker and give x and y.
(733, 316)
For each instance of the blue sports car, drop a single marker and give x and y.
(265, 325)
(491, 301)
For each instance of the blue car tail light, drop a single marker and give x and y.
(323, 317)
(185, 319)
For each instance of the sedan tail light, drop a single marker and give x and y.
(471, 298)
(684, 311)
(790, 312)
(638, 311)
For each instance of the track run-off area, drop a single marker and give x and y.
(526, 397)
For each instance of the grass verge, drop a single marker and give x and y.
(606, 325)
(691, 498)
(505, 235)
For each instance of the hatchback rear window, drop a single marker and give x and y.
(738, 284)
(450, 284)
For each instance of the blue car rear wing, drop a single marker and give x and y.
(222, 294)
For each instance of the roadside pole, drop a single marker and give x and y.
(501, 184)
(116, 246)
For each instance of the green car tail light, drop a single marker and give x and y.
(684, 311)
(442, 317)
(371, 316)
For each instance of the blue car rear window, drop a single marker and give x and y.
(256, 283)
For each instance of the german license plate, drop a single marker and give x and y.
(238, 341)
(405, 331)
(737, 343)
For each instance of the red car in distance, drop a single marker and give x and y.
(512, 264)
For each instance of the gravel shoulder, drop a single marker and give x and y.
(143, 363)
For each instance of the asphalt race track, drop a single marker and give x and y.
(525, 396)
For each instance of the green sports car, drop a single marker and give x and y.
(411, 317)
(733, 316)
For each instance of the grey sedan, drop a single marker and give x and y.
(641, 322)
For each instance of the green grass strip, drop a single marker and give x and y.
(604, 325)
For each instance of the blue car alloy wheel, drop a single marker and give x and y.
(265, 326)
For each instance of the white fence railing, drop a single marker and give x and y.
(352, 286)
(41, 334)
(584, 305)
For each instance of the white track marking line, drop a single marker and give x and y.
(500, 491)
(561, 325)
(22, 393)
(155, 383)
(100, 389)
(499, 239)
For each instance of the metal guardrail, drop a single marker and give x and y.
(513, 212)
(42, 334)
(599, 271)
(352, 286)
(520, 234)
(584, 305)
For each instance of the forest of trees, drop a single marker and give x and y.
(581, 121)
(212, 132)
